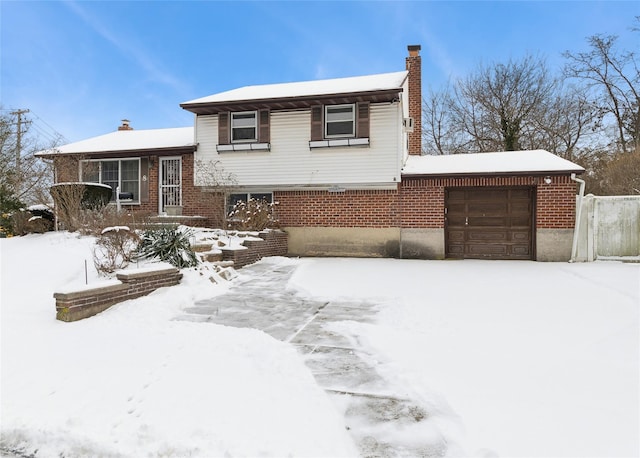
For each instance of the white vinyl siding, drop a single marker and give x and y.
(291, 162)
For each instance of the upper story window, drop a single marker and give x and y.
(339, 121)
(340, 125)
(244, 130)
(244, 127)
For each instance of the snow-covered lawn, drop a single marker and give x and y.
(516, 358)
(131, 382)
(527, 359)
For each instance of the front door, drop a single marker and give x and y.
(170, 183)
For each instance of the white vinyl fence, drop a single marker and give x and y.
(609, 228)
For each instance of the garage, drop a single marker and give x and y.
(489, 222)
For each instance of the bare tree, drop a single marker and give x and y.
(565, 124)
(614, 77)
(512, 106)
(214, 179)
(440, 134)
(495, 104)
(22, 175)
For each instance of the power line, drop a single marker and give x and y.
(57, 135)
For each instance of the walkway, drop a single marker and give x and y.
(381, 423)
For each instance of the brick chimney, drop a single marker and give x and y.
(125, 125)
(414, 67)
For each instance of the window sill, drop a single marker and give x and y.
(338, 142)
(124, 202)
(244, 147)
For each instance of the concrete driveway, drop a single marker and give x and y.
(378, 417)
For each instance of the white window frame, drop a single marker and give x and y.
(327, 121)
(248, 195)
(119, 161)
(255, 126)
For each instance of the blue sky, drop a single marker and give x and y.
(82, 66)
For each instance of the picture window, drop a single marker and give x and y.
(124, 173)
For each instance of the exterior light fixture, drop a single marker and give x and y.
(547, 179)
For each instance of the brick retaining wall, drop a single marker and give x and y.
(77, 305)
(273, 243)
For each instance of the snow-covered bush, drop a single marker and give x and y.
(74, 200)
(114, 248)
(254, 215)
(168, 244)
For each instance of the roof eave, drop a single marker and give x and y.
(128, 152)
(492, 174)
(294, 102)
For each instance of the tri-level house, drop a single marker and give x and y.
(343, 160)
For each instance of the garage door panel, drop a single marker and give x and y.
(456, 236)
(457, 194)
(456, 249)
(524, 194)
(520, 221)
(487, 208)
(520, 250)
(493, 236)
(521, 207)
(457, 207)
(521, 237)
(483, 249)
(488, 195)
(457, 221)
(489, 223)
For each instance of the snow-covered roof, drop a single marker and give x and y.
(369, 83)
(533, 161)
(129, 140)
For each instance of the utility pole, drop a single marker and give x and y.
(19, 123)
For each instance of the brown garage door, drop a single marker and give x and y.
(489, 223)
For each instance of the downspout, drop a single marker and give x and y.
(576, 229)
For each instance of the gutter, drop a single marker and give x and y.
(522, 173)
(576, 228)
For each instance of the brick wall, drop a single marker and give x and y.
(195, 200)
(422, 201)
(76, 305)
(273, 243)
(357, 208)
(556, 203)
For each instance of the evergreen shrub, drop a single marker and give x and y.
(169, 244)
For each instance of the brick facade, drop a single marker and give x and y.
(556, 203)
(418, 205)
(356, 208)
(196, 201)
(422, 200)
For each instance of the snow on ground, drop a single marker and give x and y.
(515, 358)
(530, 359)
(132, 382)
